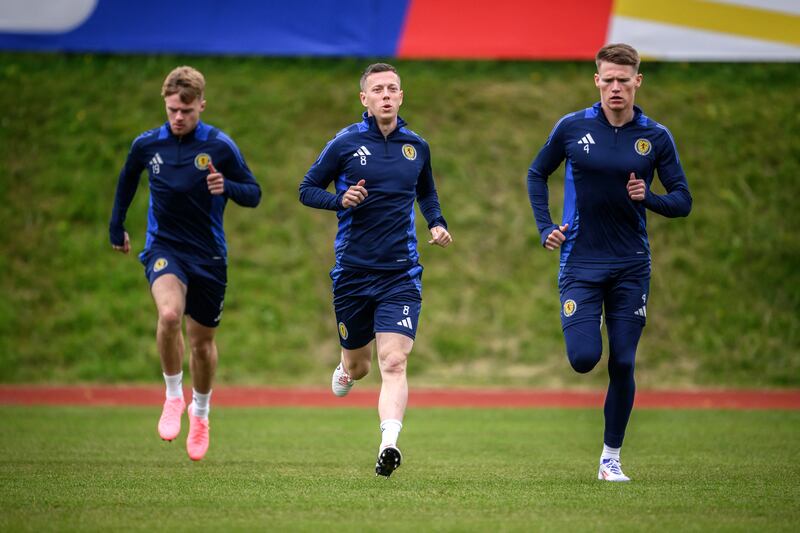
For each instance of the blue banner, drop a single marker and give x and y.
(294, 28)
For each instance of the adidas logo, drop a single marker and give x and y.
(406, 322)
(587, 139)
(362, 153)
(156, 162)
(642, 311)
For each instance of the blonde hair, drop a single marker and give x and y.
(186, 81)
(619, 54)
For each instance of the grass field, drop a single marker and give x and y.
(725, 298)
(465, 470)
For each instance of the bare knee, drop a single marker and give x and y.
(393, 363)
(169, 319)
(203, 349)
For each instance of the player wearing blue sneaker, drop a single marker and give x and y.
(379, 168)
(194, 169)
(612, 152)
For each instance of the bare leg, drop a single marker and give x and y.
(393, 351)
(203, 364)
(169, 295)
(203, 360)
(357, 362)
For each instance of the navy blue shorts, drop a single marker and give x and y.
(205, 283)
(619, 289)
(376, 302)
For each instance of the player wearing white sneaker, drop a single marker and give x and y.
(611, 470)
(610, 467)
(613, 152)
(341, 382)
(380, 168)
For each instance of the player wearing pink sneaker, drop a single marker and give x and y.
(169, 425)
(193, 169)
(197, 440)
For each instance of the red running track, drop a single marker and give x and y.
(473, 398)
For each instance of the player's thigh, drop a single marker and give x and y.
(581, 293)
(205, 297)
(584, 345)
(168, 281)
(358, 356)
(395, 345)
(354, 308)
(627, 296)
(355, 322)
(398, 310)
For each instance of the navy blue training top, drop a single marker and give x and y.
(184, 217)
(605, 225)
(379, 233)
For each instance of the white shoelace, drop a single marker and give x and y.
(613, 465)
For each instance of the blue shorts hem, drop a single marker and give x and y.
(344, 344)
(407, 333)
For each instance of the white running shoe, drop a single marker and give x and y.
(611, 470)
(341, 382)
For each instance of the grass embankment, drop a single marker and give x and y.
(725, 307)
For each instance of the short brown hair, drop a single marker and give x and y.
(374, 69)
(619, 54)
(186, 81)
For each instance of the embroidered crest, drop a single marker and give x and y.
(409, 152)
(201, 161)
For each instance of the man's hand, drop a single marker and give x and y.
(556, 237)
(354, 195)
(126, 245)
(636, 188)
(440, 236)
(215, 180)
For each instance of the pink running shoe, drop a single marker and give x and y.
(169, 425)
(197, 441)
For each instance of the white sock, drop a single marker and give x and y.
(201, 404)
(390, 431)
(174, 385)
(610, 453)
